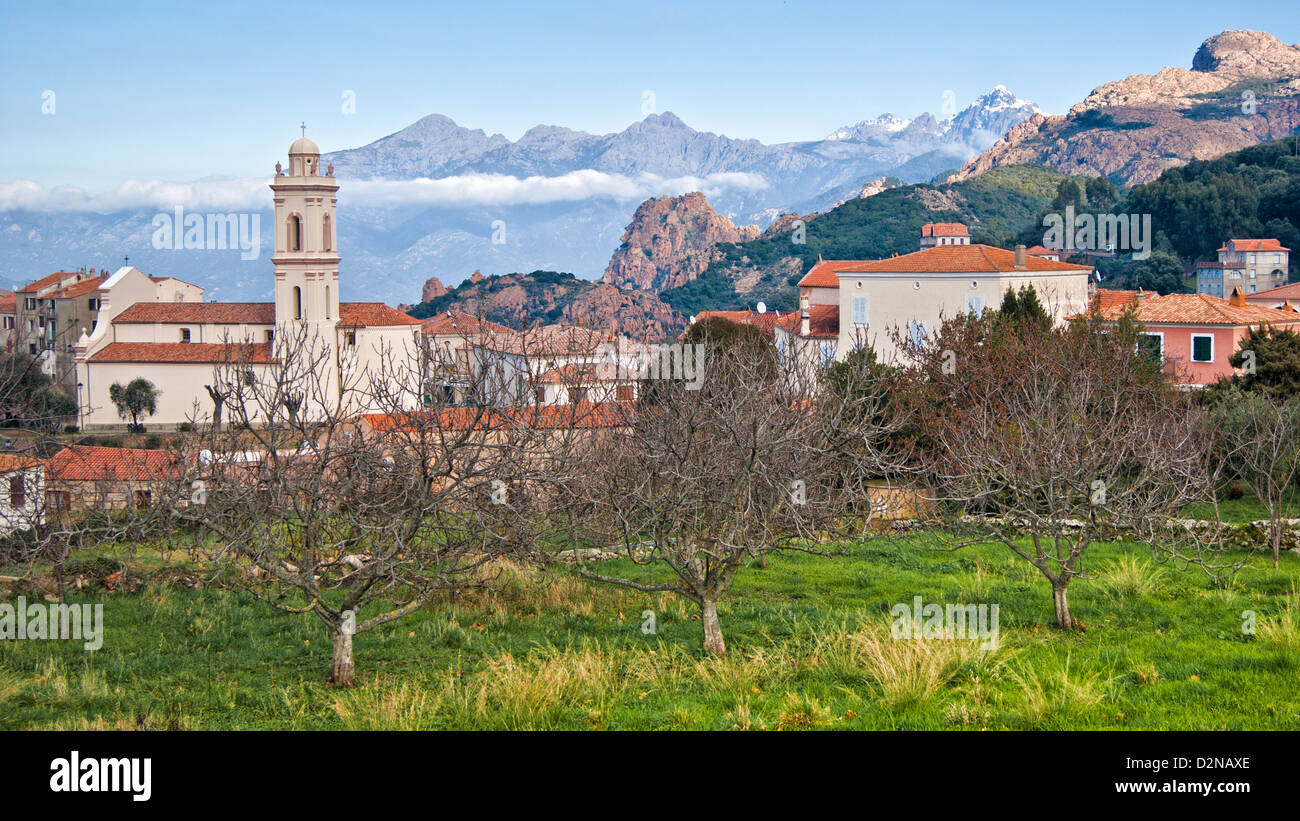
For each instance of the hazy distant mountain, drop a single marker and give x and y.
(1243, 88)
(439, 199)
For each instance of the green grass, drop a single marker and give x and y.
(808, 638)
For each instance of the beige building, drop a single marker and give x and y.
(848, 303)
(179, 344)
(1249, 265)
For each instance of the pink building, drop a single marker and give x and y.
(1195, 333)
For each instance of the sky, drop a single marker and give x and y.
(94, 95)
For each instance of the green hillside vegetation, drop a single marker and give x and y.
(996, 205)
(535, 284)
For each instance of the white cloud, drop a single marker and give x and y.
(465, 190)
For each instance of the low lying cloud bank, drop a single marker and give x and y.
(464, 190)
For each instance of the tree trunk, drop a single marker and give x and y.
(712, 629)
(1063, 618)
(343, 673)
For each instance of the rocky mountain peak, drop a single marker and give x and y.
(670, 241)
(1248, 54)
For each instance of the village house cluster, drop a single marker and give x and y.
(90, 330)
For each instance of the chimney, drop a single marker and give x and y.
(1020, 256)
(1238, 299)
(805, 319)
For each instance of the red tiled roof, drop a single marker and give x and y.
(85, 463)
(1202, 309)
(765, 321)
(823, 322)
(823, 274)
(961, 259)
(1108, 301)
(1254, 245)
(944, 229)
(44, 282)
(364, 314)
(8, 304)
(580, 415)
(1040, 251)
(455, 323)
(184, 352)
(548, 340)
(217, 313)
(1291, 291)
(14, 461)
(87, 286)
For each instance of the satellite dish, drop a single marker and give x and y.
(205, 457)
(692, 320)
(762, 307)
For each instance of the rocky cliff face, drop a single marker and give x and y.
(433, 288)
(1243, 88)
(670, 241)
(519, 300)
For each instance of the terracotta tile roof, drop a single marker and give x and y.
(1254, 245)
(16, 461)
(548, 340)
(961, 259)
(944, 229)
(87, 286)
(364, 314)
(1040, 251)
(456, 323)
(1114, 301)
(84, 463)
(51, 281)
(217, 313)
(184, 352)
(823, 274)
(580, 415)
(1291, 291)
(765, 321)
(1203, 309)
(823, 322)
(8, 304)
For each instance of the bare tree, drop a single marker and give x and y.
(743, 460)
(1259, 444)
(1049, 440)
(357, 499)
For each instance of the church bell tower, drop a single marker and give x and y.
(306, 256)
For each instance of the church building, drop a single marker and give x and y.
(178, 346)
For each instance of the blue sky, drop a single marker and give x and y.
(177, 92)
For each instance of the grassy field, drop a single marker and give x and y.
(809, 647)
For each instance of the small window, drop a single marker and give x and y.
(143, 498)
(350, 339)
(624, 393)
(58, 500)
(916, 333)
(576, 395)
(185, 334)
(17, 491)
(92, 304)
(860, 310)
(1202, 348)
(29, 303)
(1152, 345)
(975, 304)
(270, 336)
